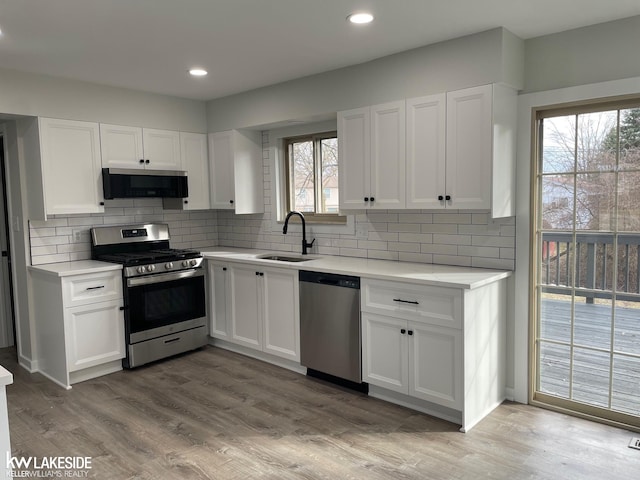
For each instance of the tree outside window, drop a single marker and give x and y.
(312, 176)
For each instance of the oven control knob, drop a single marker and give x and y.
(151, 268)
(168, 266)
(185, 263)
(140, 269)
(193, 263)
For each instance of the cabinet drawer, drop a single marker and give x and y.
(91, 288)
(432, 305)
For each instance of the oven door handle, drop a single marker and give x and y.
(163, 277)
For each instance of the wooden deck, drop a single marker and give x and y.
(592, 340)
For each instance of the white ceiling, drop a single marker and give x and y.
(150, 44)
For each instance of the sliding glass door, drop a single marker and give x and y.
(587, 244)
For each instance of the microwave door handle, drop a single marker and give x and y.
(163, 277)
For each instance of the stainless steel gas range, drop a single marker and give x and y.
(164, 290)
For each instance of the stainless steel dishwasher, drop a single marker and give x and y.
(330, 340)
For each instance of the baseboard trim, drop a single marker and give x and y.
(28, 364)
(259, 355)
(510, 394)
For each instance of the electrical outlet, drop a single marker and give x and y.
(493, 226)
(79, 235)
(635, 443)
(362, 231)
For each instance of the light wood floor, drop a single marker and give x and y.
(213, 414)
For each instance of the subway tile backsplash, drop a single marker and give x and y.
(452, 237)
(65, 238)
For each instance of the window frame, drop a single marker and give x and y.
(535, 395)
(310, 217)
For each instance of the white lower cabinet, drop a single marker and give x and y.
(94, 334)
(246, 306)
(385, 358)
(255, 307)
(78, 324)
(435, 364)
(441, 349)
(219, 323)
(415, 359)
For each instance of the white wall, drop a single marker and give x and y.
(19, 241)
(38, 95)
(489, 57)
(598, 53)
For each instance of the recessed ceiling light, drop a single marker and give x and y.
(361, 17)
(198, 72)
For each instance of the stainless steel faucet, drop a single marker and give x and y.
(305, 244)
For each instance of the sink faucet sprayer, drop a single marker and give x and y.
(305, 244)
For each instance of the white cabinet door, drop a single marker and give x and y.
(196, 162)
(384, 352)
(354, 148)
(220, 324)
(246, 306)
(94, 334)
(388, 159)
(469, 148)
(121, 146)
(426, 160)
(236, 171)
(161, 149)
(71, 166)
(281, 313)
(248, 172)
(435, 364)
(221, 170)
(371, 148)
(134, 147)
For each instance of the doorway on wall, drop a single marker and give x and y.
(7, 319)
(586, 341)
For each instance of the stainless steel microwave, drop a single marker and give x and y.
(134, 183)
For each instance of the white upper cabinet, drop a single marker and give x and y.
(221, 170)
(426, 161)
(195, 161)
(388, 156)
(135, 147)
(354, 146)
(236, 172)
(371, 143)
(468, 175)
(453, 150)
(121, 146)
(161, 149)
(481, 142)
(71, 167)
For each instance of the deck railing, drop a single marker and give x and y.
(595, 265)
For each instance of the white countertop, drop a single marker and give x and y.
(427, 274)
(6, 377)
(78, 267)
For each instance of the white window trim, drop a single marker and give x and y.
(278, 192)
(520, 282)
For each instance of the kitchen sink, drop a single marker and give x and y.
(283, 258)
